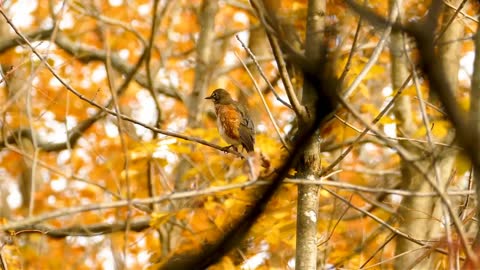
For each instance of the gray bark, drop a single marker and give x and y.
(422, 218)
(310, 167)
(475, 115)
(205, 54)
(413, 212)
(203, 72)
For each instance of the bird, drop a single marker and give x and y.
(233, 121)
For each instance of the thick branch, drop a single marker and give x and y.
(136, 225)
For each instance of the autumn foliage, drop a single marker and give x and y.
(111, 159)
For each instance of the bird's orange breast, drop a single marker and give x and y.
(228, 121)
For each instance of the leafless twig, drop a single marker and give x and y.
(265, 105)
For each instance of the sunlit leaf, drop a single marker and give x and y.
(159, 218)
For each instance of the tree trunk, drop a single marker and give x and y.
(413, 212)
(205, 54)
(4, 190)
(310, 165)
(423, 218)
(203, 72)
(475, 117)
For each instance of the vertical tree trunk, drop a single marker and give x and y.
(422, 218)
(203, 72)
(310, 165)
(4, 191)
(205, 54)
(18, 84)
(475, 117)
(449, 51)
(413, 212)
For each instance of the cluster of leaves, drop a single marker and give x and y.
(92, 188)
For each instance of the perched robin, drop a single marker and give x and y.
(233, 122)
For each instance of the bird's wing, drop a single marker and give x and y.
(246, 129)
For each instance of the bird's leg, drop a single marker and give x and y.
(226, 148)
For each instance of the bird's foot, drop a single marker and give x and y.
(227, 148)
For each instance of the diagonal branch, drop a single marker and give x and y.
(265, 105)
(109, 111)
(279, 58)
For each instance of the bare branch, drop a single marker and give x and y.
(259, 92)
(136, 225)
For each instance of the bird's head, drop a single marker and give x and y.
(220, 96)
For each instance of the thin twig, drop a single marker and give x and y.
(408, 157)
(373, 58)
(396, 138)
(382, 246)
(76, 6)
(436, 169)
(358, 188)
(365, 131)
(450, 21)
(260, 70)
(420, 242)
(265, 105)
(112, 112)
(121, 203)
(16, 225)
(299, 110)
(153, 92)
(123, 144)
(351, 53)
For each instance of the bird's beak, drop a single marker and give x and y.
(210, 97)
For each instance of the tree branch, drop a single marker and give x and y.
(136, 225)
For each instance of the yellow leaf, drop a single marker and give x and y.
(220, 220)
(364, 90)
(387, 120)
(410, 91)
(368, 107)
(440, 128)
(180, 148)
(51, 61)
(325, 194)
(421, 132)
(140, 150)
(161, 162)
(280, 214)
(462, 164)
(464, 103)
(210, 205)
(375, 71)
(240, 179)
(229, 203)
(273, 236)
(183, 213)
(159, 218)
